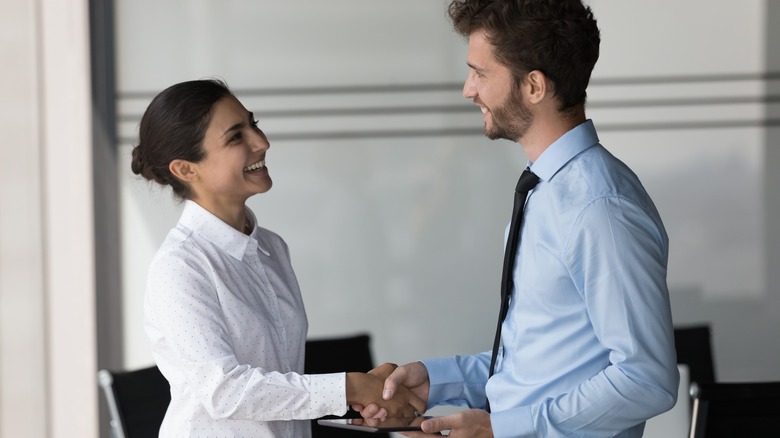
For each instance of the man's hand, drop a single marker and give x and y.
(412, 377)
(473, 423)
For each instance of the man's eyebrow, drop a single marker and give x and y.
(474, 67)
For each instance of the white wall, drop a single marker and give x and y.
(22, 329)
(47, 311)
(397, 229)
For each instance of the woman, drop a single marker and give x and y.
(223, 310)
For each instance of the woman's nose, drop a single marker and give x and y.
(260, 142)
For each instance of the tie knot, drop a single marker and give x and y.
(527, 181)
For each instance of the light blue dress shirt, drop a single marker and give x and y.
(588, 344)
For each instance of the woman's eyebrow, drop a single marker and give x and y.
(235, 127)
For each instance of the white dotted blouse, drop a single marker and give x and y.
(227, 326)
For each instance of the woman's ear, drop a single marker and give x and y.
(183, 170)
(535, 86)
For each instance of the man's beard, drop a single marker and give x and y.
(511, 120)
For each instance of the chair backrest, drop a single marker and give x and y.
(137, 401)
(333, 355)
(750, 409)
(694, 349)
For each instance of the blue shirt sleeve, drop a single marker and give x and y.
(458, 380)
(616, 256)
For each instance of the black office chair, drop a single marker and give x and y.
(694, 349)
(337, 355)
(721, 410)
(137, 401)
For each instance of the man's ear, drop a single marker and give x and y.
(535, 86)
(183, 170)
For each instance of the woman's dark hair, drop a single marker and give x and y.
(173, 127)
(560, 38)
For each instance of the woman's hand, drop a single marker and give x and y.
(412, 377)
(366, 389)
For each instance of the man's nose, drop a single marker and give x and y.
(469, 90)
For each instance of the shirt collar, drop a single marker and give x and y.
(568, 146)
(204, 224)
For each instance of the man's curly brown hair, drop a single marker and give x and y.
(560, 38)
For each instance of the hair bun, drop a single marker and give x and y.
(137, 164)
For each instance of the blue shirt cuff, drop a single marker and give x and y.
(445, 379)
(513, 423)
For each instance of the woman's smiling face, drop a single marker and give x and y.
(234, 166)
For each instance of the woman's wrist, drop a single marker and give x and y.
(359, 386)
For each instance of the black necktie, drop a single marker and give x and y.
(527, 181)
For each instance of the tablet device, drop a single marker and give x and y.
(387, 424)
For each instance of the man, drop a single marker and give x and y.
(588, 345)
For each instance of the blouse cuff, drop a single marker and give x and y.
(328, 393)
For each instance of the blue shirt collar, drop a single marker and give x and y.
(568, 146)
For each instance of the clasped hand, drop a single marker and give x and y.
(366, 390)
(413, 378)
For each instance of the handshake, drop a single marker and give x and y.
(390, 390)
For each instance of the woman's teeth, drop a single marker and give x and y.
(258, 165)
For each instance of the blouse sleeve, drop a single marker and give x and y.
(193, 348)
